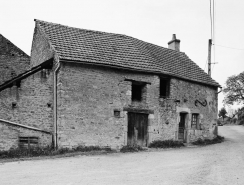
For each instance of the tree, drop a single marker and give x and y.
(234, 90)
(222, 113)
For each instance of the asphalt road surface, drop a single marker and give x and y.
(214, 164)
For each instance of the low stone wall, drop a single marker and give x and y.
(10, 133)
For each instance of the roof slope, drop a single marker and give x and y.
(6, 46)
(121, 51)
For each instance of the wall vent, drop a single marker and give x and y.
(28, 142)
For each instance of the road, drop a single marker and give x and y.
(211, 165)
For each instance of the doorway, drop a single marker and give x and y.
(137, 129)
(181, 130)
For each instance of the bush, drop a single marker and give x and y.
(217, 139)
(134, 148)
(166, 144)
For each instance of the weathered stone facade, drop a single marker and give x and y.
(33, 99)
(88, 97)
(31, 104)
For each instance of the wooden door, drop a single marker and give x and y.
(137, 129)
(182, 126)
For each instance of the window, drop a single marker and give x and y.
(164, 87)
(194, 121)
(136, 92)
(28, 142)
(117, 113)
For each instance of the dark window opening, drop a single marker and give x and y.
(137, 92)
(194, 121)
(18, 84)
(49, 105)
(164, 87)
(117, 113)
(14, 104)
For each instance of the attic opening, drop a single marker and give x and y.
(164, 87)
(137, 91)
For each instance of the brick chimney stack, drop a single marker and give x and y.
(174, 43)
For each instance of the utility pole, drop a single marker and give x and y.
(209, 56)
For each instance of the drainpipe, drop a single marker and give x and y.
(55, 106)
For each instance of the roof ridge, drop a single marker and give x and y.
(82, 29)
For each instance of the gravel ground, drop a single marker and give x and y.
(214, 164)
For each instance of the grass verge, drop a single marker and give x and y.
(48, 151)
(218, 139)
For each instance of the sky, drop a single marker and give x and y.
(152, 21)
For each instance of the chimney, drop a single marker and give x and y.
(174, 43)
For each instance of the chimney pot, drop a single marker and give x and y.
(174, 43)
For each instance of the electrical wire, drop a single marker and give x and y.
(206, 63)
(228, 47)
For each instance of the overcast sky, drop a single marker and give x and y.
(152, 21)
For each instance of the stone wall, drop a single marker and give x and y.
(188, 93)
(13, 61)
(31, 104)
(88, 96)
(10, 134)
(41, 49)
(33, 99)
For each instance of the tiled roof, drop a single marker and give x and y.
(9, 45)
(121, 51)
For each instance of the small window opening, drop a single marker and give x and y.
(194, 121)
(28, 142)
(137, 92)
(14, 104)
(164, 87)
(117, 113)
(18, 84)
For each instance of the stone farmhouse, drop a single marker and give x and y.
(94, 88)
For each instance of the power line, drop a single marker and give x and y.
(227, 47)
(206, 63)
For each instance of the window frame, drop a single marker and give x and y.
(194, 120)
